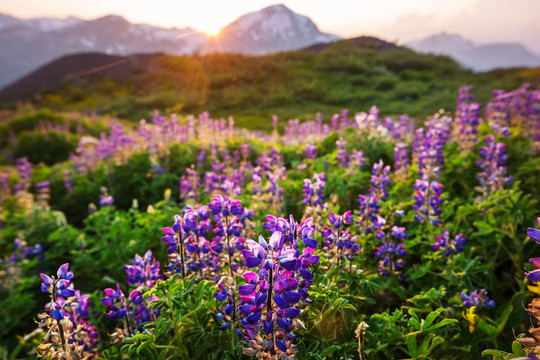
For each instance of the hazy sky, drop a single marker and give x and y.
(396, 20)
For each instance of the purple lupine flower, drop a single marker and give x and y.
(311, 151)
(391, 262)
(368, 215)
(274, 192)
(493, 176)
(43, 190)
(105, 199)
(534, 276)
(115, 301)
(369, 205)
(342, 153)
(60, 285)
(443, 242)
(380, 179)
(496, 113)
(467, 119)
(477, 298)
(24, 170)
(401, 160)
(70, 309)
(69, 182)
(143, 271)
(357, 160)
(133, 307)
(227, 313)
(244, 150)
(23, 251)
(313, 197)
(230, 222)
(428, 145)
(428, 201)
(175, 238)
(189, 185)
(77, 311)
(339, 243)
(272, 299)
(57, 288)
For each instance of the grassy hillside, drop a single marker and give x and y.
(352, 73)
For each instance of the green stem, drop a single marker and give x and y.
(181, 250)
(60, 327)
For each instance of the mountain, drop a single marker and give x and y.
(74, 69)
(272, 29)
(26, 44)
(353, 73)
(479, 57)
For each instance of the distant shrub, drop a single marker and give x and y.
(49, 147)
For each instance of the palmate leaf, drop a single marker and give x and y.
(494, 328)
(329, 350)
(427, 325)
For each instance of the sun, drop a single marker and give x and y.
(211, 29)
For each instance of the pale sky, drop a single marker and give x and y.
(395, 20)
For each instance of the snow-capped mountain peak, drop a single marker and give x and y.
(274, 28)
(44, 24)
(26, 44)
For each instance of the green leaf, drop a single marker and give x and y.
(443, 323)
(412, 346)
(490, 330)
(497, 354)
(329, 350)
(429, 319)
(143, 346)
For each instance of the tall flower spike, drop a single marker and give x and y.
(533, 343)
(340, 244)
(401, 161)
(493, 176)
(271, 301)
(342, 153)
(70, 337)
(443, 242)
(428, 201)
(391, 253)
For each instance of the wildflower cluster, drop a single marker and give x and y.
(342, 153)
(533, 343)
(369, 219)
(428, 201)
(401, 161)
(142, 275)
(467, 119)
(24, 170)
(105, 199)
(313, 197)
(477, 298)
(189, 185)
(339, 243)
(272, 299)
(428, 145)
(68, 335)
(390, 254)
(443, 242)
(493, 176)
